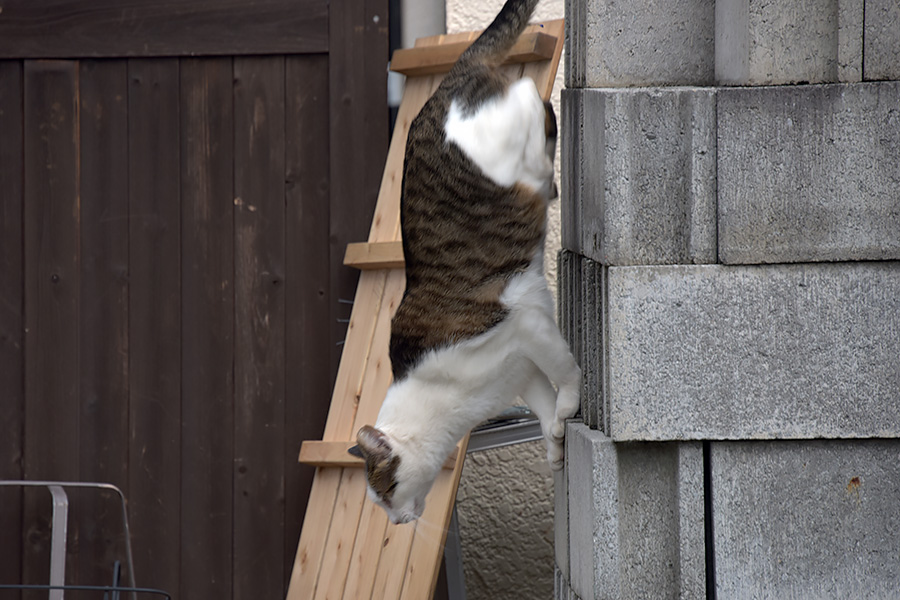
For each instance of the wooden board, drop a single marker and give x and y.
(374, 255)
(12, 311)
(109, 28)
(534, 46)
(51, 291)
(154, 306)
(308, 299)
(259, 324)
(103, 330)
(347, 548)
(207, 353)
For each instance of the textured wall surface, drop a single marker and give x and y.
(506, 523)
(505, 499)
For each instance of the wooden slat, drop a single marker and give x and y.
(154, 320)
(352, 493)
(347, 389)
(12, 318)
(109, 28)
(374, 255)
(259, 329)
(103, 338)
(334, 454)
(207, 305)
(431, 60)
(357, 57)
(51, 293)
(431, 533)
(308, 300)
(386, 221)
(544, 73)
(364, 561)
(391, 569)
(339, 544)
(316, 525)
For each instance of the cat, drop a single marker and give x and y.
(475, 328)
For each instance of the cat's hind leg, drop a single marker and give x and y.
(545, 346)
(540, 397)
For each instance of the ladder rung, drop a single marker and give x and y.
(375, 255)
(430, 60)
(334, 454)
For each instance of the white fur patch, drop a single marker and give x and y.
(506, 137)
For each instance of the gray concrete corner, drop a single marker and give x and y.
(636, 514)
(641, 187)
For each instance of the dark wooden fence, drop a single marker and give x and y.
(178, 182)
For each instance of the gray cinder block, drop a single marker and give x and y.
(809, 173)
(561, 522)
(882, 40)
(752, 352)
(812, 519)
(580, 315)
(642, 188)
(561, 589)
(657, 42)
(636, 515)
(570, 173)
(777, 42)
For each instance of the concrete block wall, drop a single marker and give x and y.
(730, 282)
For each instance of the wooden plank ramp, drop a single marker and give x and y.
(347, 547)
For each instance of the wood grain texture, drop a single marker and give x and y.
(12, 318)
(154, 320)
(145, 28)
(335, 454)
(374, 255)
(308, 300)
(358, 54)
(207, 308)
(51, 294)
(259, 327)
(532, 46)
(103, 312)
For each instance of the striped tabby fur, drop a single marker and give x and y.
(475, 327)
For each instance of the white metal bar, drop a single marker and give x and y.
(58, 540)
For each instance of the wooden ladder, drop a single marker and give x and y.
(347, 548)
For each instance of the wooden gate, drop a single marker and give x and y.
(178, 182)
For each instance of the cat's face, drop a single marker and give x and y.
(397, 481)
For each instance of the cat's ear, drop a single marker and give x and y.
(355, 451)
(373, 443)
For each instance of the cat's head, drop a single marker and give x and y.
(397, 480)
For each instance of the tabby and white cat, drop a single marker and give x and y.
(475, 327)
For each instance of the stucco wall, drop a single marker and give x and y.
(505, 499)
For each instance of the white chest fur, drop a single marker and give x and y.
(506, 137)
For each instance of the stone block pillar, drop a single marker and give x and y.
(730, 282)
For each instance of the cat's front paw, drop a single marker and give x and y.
(555, 455)
(558, 431)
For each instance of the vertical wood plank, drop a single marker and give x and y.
(103, 313)
(359, 134)
(154, 316)
(51, 294)
(259, 328)
(308, 279)
(207, 287)
(12, 319)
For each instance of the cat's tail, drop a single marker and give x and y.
(495, 42)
